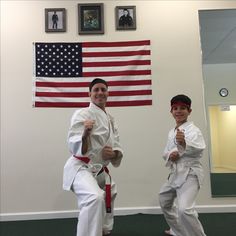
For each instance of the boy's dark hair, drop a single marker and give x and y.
(97, 81)
(181, 99)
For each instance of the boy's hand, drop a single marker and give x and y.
(180, 138)
(174, 156)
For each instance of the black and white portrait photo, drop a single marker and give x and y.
(55, 20)
(126, 18)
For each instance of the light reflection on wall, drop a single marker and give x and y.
(223, 139)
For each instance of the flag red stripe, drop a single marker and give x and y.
(116, 54)
(116, 63)
(85, 94)
(62, 94)
(61, 104)
(62, 84)
(129, 82)
(116, 73)
(86, 84)
(85, 104)
(129, 103)
(116, 44)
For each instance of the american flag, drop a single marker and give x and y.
(63, 71)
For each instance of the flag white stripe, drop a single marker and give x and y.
(125, 58)
(117, 68)
(85, 89)
(115, 49)
(87, 99)
(89, 79)
(118, 58)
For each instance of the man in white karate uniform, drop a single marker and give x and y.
(94, 143)
(182, 154)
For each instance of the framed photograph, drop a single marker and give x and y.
(55, 20)
(125, 17)
(91, 18)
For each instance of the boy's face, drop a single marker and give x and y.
(99, 94)
(180, 113)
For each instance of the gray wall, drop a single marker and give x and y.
(217, 76)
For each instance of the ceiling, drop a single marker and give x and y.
(218, 36)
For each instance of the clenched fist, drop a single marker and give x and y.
(180, 138)
(108, 153)
(88, 126)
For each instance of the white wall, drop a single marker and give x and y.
(33, 141)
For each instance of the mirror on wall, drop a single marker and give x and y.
(218, 42)
(222, 124)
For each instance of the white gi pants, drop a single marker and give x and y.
(184, 219)
(93, 219)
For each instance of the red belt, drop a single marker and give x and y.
(108, 185)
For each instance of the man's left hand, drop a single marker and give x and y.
(108, 153)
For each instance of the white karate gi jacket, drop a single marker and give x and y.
(189, 157)
(104, 133)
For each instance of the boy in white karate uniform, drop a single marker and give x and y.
(94, 143)
(182, 154)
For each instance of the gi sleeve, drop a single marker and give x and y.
(169, 148)
(116, 144)
(75, 133)
(195, 143)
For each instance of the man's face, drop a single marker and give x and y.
(99, 94)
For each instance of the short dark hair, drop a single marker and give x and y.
(181, 99)
(97, 81)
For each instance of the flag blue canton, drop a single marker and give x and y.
(58, 59)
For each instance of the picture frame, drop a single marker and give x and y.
(91, 18)
(125, 17)
(55, 20)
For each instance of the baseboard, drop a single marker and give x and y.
(118, 212)
(157, 210)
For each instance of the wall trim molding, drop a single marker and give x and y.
(118, 212)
